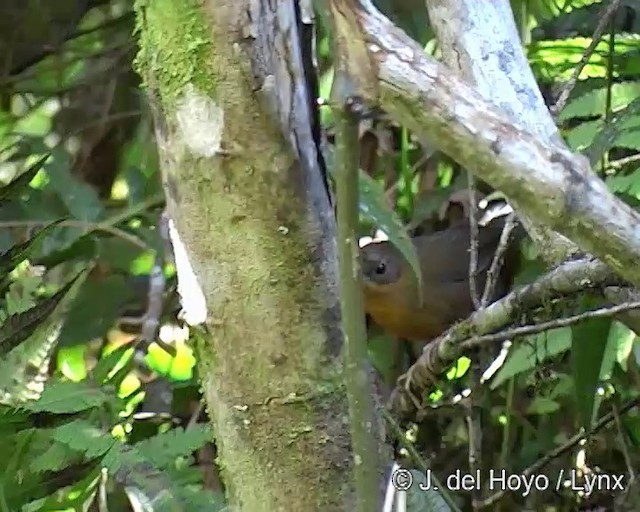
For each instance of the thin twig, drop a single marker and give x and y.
(193, 420)
(155, 295)
(82, 224)
(609, 11)
(125, 46)
(616, 164)
(107, 226)
(508, 334)
(150, 320)
(496, 263)
(473, 242)
(474, 429)
(623, 446)
(557, 452)
(569, 278)
(473, 412)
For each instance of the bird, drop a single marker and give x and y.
(390, 287)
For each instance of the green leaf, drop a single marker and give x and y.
(55, 458)
(590, 340)
(25, 368)
(81, 200)
(110, 362)
(625, 338)
(386, 355)
(72, 362)
(531, 351)
(85, 438)
(595, 101)
(20, 252)
(425, 499)
(83, 248)
(163, 449)
(13, 189)
(542, 405)
(374, 207)
(95, 310)
(12, 420)
(178, 367)
(632, 428)
(62, 397)
(17, 328)
(625, 122)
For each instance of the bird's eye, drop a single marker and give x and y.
(381, 268)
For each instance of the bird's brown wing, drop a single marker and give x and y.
(444, 255)
(445, 269)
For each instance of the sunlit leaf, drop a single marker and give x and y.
(590, 340)
(528, 353)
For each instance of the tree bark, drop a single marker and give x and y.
(245, 191)
(479, 41)
(543, 179)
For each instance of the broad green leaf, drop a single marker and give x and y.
(111, 362)
(542, 405)
(94, 311)
(427, 498)
(72, 362)
(529, 352)
(83, 248)
(590, 340)
(626, 122)
(374, 207)
(595, 101)
(12, 190)
(632, 428)
(162, 449)
(81, 200)
(55, 458)
(178, 368)
(386, 356)
(84, 437)
(619, 342)
(625, 340)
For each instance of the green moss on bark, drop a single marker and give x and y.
(175, 47)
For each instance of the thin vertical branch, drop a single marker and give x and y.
(496, 263)
(473, 413)
(473, 242)
(607, 14)
(359, 386)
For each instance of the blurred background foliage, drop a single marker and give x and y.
(88, 302)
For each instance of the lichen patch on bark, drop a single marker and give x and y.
(200, 121)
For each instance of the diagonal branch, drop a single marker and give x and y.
(570, 277)
(543, 179)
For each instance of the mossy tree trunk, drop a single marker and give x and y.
(246, 194)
